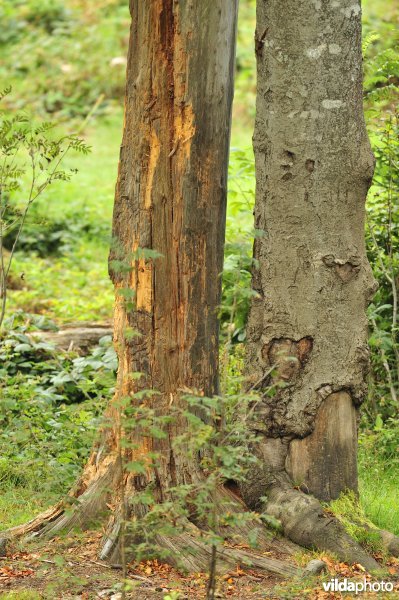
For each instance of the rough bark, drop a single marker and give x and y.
(308, 322)
(171, 198)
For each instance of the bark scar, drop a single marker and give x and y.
(260, 42)
(287, 356)
(346, 269)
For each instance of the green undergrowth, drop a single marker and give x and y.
(51, 407)
(351, 513)
(42, 450)
(70, 288)
(378, 497)
(61, 268)
(379, 485)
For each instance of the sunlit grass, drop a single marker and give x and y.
(20, 504)
(378, 486)
(69, 288)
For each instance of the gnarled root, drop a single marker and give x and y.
(390, 541)
(305, 522)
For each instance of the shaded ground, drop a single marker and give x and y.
(67, 568)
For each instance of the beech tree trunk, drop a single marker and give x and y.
(308, 323)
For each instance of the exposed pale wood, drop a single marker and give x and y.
(325, 461)
(171, 199)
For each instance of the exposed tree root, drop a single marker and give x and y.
(306, 523)
(186, 550)
(303, 519)
(390, 542)
(266, 539)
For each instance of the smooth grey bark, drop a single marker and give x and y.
(314, 166)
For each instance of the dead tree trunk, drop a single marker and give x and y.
(171, 198)
(308, 322)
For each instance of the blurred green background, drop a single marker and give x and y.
(62, 58)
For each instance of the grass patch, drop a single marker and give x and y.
(378, 486)
(349, 511)
(19, 504)
(71, 288)
(74, 286)
(378, 502)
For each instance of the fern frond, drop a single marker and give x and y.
(372, 37)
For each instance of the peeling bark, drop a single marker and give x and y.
(171, 198)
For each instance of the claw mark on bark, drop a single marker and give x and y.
(309, 164)
(290, 156)
(155, 150)
(287, 177)
(260, 42)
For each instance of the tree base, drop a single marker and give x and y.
(305, 524)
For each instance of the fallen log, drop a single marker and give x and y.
(78, 336)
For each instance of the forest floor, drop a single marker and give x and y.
(67, 568)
